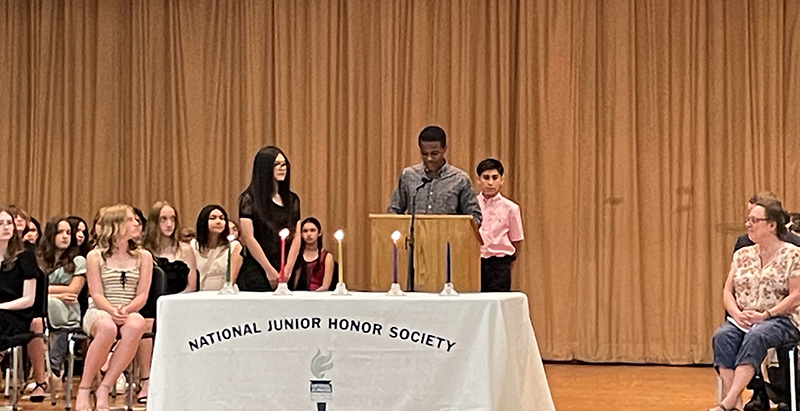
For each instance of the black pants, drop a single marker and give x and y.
(496, 273)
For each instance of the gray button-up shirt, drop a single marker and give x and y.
(448, 191)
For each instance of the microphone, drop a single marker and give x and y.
(410, 271)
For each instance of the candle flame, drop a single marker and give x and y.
(284, 233)
(395, 236)
(231, 237)
(338, 235)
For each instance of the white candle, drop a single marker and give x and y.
(395, 237)
(339, 235)
(283, 233)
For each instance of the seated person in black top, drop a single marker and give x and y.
(18, 273)
(176, 258)
(266, 207)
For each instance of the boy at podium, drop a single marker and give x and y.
(501, 229)
(434, 186)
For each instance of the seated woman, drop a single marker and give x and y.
(177, 260)
(314, 270)
(58, 255)
(211, 248)
(18, 273)
(761, 295)
(173, 256)
(118, 273)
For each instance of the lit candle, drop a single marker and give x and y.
(228, 269)
(447, 264)
(284, 233)
(339, 235)
(395, 237)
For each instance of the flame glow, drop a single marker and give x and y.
(284, 233)
(395, 236)
(338, 235)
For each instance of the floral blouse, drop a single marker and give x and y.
(761, 288)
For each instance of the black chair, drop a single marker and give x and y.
(157, 287)
(22, 339)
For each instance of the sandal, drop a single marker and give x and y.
(86, 389)
(142, 399)
(39, 397)
(108, 391)
(724, 408)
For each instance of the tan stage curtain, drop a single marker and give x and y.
(633, 130)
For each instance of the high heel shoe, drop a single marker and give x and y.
(142, 399)
(90, 408)
(39, 397)
(97, 398)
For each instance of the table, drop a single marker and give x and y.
(366, 351)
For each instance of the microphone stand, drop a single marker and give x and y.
(411, 272)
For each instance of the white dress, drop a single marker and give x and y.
(212, 266)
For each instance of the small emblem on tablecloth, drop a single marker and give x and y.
(321, 389)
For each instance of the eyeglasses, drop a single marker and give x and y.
(754, 220)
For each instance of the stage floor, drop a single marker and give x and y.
(578, 387)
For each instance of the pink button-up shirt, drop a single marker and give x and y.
(502, 225)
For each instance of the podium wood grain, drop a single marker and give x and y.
(433, 231)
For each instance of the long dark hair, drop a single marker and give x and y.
(261, 188)
(317, 224)
(74, 222)
(300, 266)
(15, 246)
(38, 226)
(202, 227)
(46, 252)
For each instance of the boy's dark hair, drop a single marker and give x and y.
(768, 195)
(490, 164)
(433, 134)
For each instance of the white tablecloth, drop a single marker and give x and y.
(419, 352)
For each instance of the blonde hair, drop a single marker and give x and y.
(111, 220)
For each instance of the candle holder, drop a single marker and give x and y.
(283, 289)
(341, 289)
(228, 289)
(396, 291)
(449, 291)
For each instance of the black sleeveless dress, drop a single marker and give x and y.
(16, 323)
(252, 276)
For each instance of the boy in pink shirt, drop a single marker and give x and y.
(501, 229)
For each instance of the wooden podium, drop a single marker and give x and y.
(432, 232)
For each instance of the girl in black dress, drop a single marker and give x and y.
(176, 258)
(266, 207)
(18, 273)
